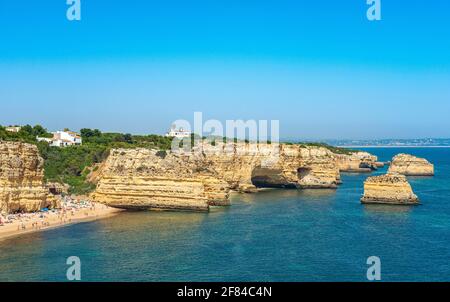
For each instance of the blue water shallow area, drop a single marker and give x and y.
(274, 235)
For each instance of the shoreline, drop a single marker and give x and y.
(55, 219)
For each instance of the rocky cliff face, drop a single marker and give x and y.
(389, 189)
(147, 179)
(21, 179)
(411, 166)
(247, 166)
(357, 162)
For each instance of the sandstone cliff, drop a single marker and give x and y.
(358, 162)
(246, 166)
(389, 189)
(148, 179)
(411, 166)
(21, 179)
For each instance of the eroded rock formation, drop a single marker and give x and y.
(411, 166)
(391, 188)
(56, 188)
(358, 162)
(246, 166)
(147, 179)
(21, 179)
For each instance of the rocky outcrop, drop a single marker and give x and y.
(358, 162)
(411, 166)
(149, 179)
(21, 179)
(248, 166)
(56, 188)
(389, 189)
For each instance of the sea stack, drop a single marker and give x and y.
(392, 188)
(411, 166)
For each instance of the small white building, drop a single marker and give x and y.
(62, 139)
(180, 133)
(14, 129)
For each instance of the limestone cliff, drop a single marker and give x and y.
(357, 162)
(389, 189)
(411, 166)
(148, 179)
(247, 166)
(21, 179)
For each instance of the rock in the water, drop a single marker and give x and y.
(22, 187)
(357, 162)
(389, 189)
(411, 166)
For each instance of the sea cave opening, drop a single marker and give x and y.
(270, 178)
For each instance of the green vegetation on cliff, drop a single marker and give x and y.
(26, 134)
(336, 150)
(72, 165)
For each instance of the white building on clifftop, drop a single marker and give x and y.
(180, 133)
(62, 139)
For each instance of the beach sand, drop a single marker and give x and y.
(36, 222)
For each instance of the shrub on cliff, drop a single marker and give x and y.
(27, 134)
(336, 150)
(69, 165)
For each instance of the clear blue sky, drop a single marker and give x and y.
(320, 67)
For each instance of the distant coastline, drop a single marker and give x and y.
(385, 143)
(390, 146)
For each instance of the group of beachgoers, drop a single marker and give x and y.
(45, 217)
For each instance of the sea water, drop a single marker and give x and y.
(273, 235)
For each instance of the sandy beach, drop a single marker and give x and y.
(71, 212)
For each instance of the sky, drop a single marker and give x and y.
(319, 67)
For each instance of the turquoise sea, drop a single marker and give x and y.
(274, 235)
